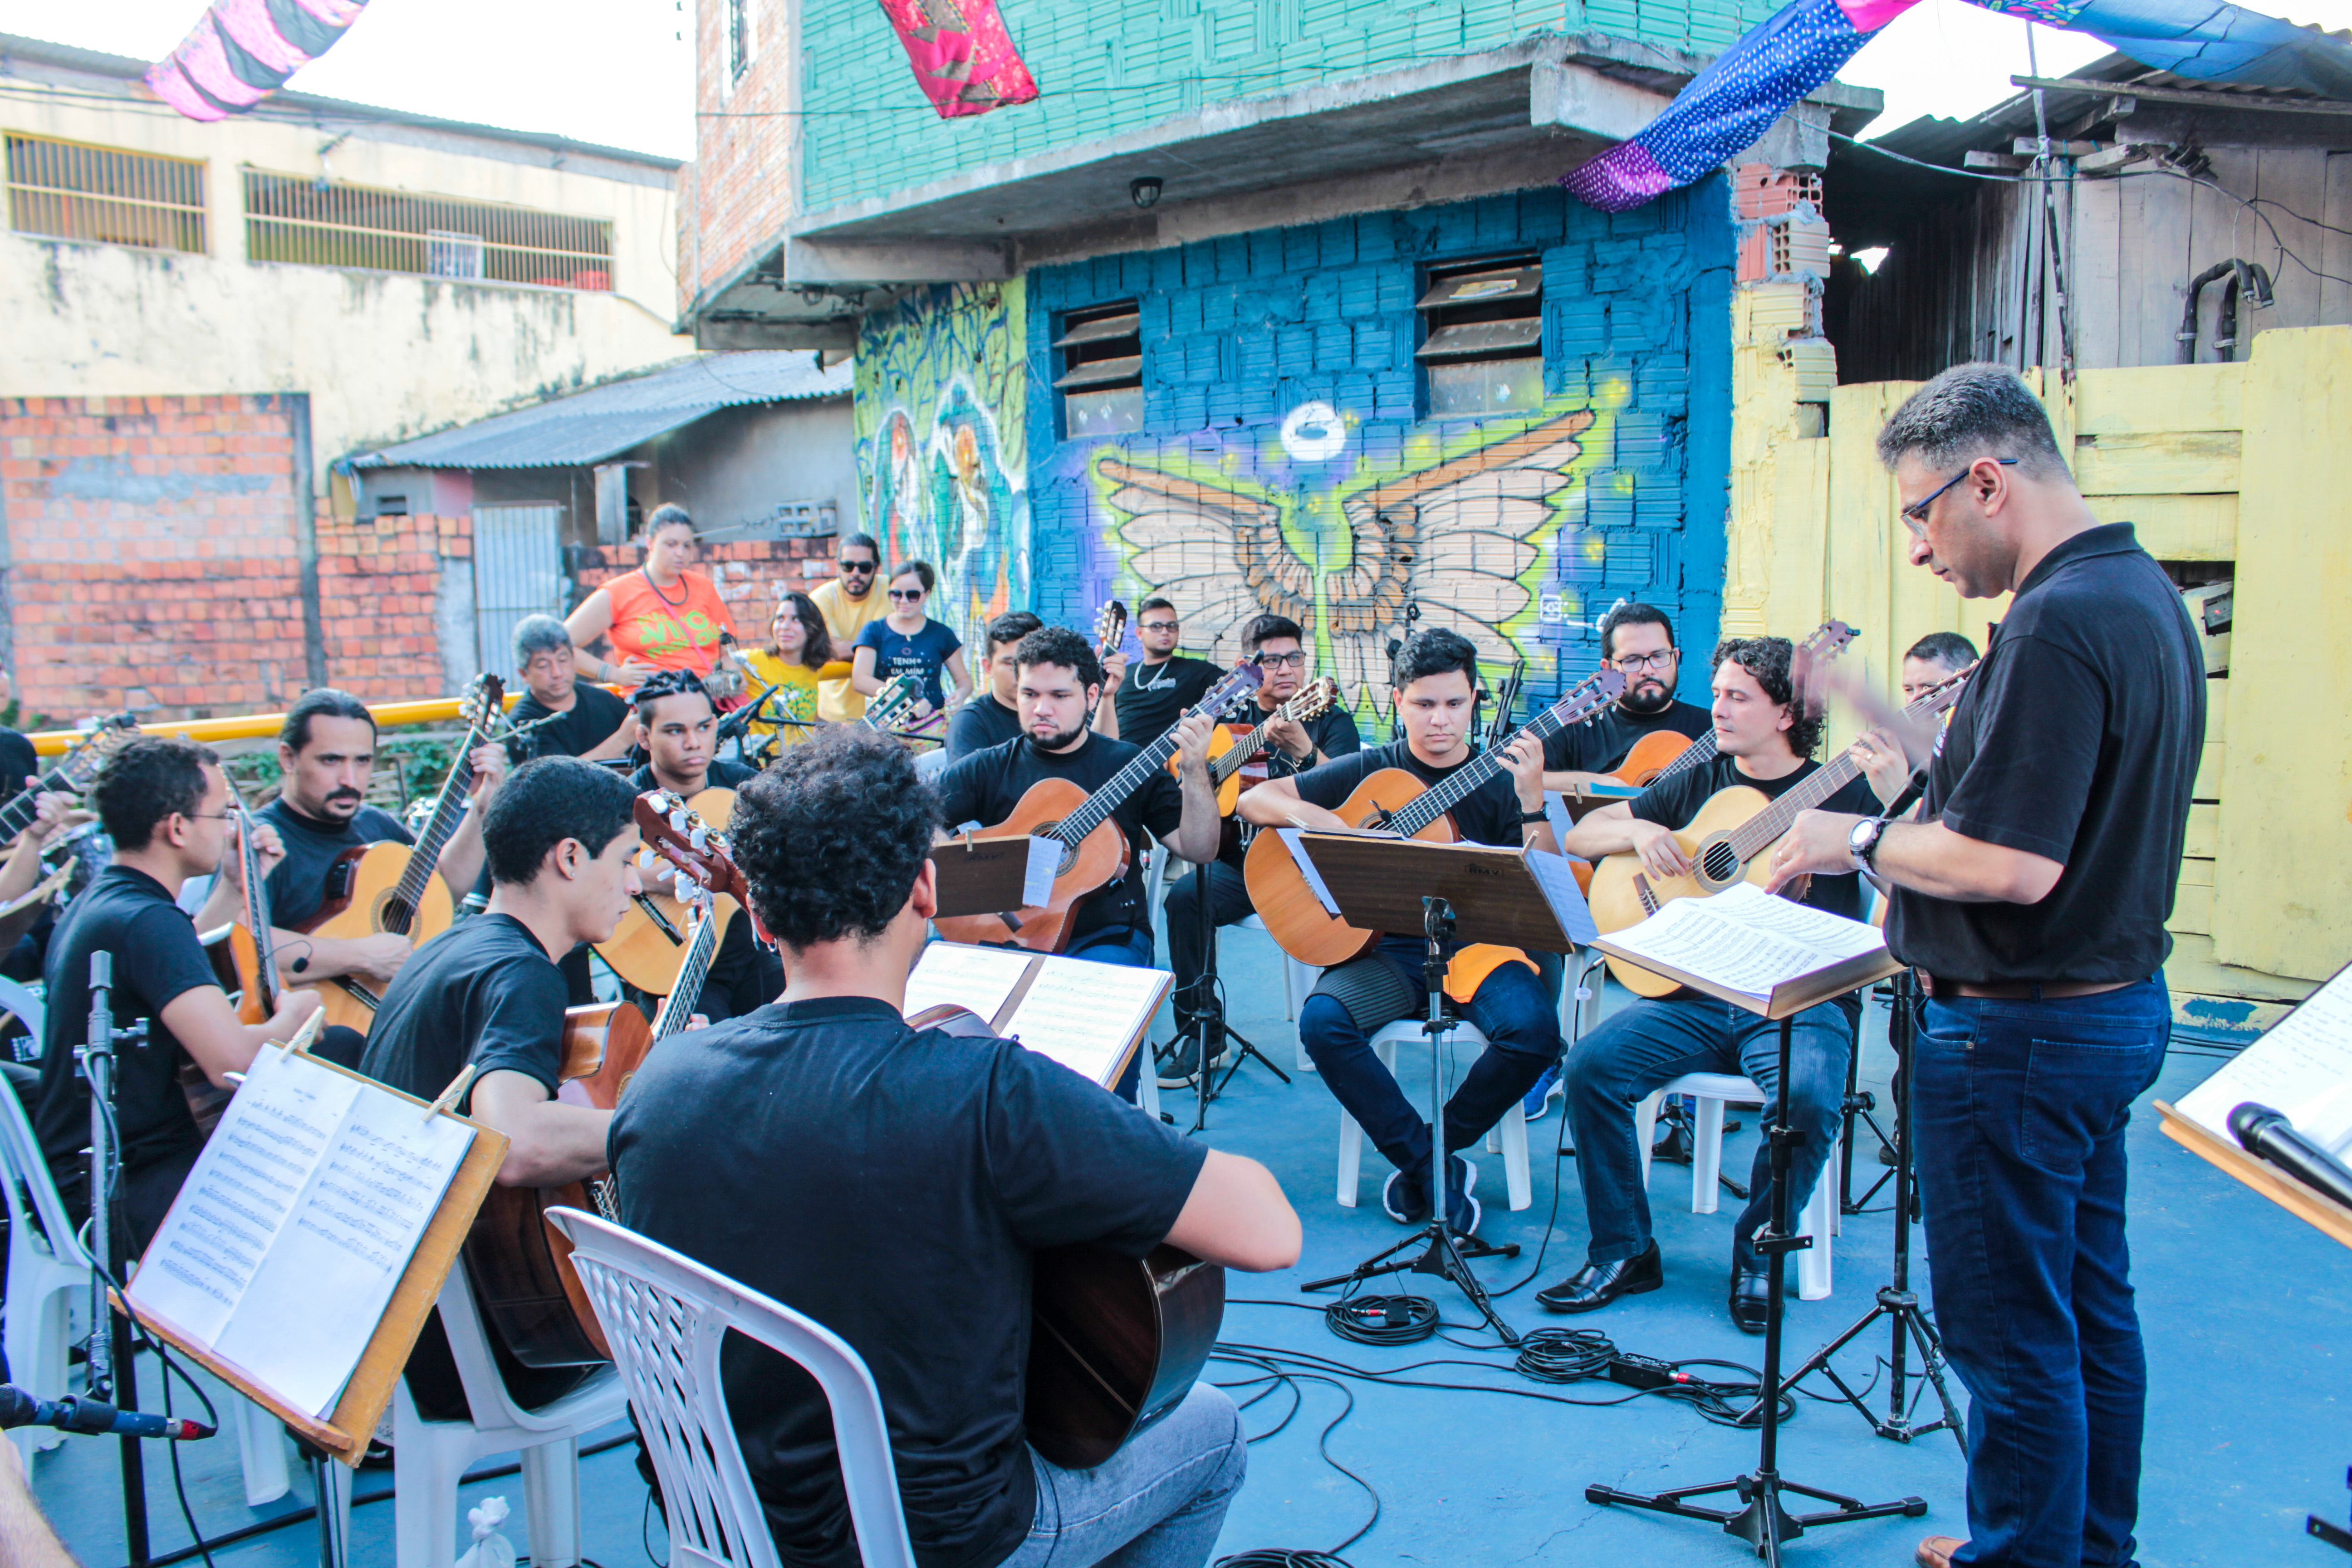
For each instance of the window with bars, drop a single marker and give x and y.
(289, 217)
(69, 191)
(740, 40)
(1482, 337)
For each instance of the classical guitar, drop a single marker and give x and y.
(397, 887)
(1093, 848)
(1232, 758)
(648, 946)
(246, 964)
(1111, 628)
(74, 773)
(1398, 801)
(519, 1264)
(1730, 840)
(1114, 1342)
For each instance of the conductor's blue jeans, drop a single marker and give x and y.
(2019, 1114)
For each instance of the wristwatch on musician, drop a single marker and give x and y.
(1862, 844)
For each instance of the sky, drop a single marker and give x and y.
(620, 72)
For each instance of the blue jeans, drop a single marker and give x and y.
(2019, 1112)
(1638, 1050)
(1512, 1009)
(1158, 1502)
(1129, 947)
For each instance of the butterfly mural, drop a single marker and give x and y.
(1457, 540)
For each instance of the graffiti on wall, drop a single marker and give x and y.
(942, 446)
(1482, 533)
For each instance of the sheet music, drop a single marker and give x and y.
(980, 978)
(1037, 881)
(2302, 1068)
(1289, 837)
(1745, 940)
(1557, 879)
(1083, 1015)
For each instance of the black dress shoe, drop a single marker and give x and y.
(1596, 1285)
(1751, 1301)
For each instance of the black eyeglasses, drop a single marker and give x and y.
(1284, 660)
(1915, 515)
(1637, 661)
(907, 593)
(1155, 626)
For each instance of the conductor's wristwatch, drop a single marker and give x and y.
(1863, 843)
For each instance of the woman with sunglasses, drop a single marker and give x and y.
(798, 646)
(659, 616)
(909, 642)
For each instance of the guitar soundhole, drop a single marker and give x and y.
(393, 914)
(1719, 862)
(1069, 851)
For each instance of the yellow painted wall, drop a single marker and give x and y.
(2249, 463)
(383, 355)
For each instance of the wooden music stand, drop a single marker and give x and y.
(2306, 1203)
(982, 876)
(1378, 881)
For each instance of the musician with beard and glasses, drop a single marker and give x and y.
(894, 1185)
(1638, 640)
(1058, 686)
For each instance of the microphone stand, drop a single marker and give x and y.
(111, 1378)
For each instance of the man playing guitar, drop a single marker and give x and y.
(1059, 689)
(1436, 684)
(1639, 640)
(1765, 743)
(893, 1186)
(561, 844)
(1280, 649)
(326, 754)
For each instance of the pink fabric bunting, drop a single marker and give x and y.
(963, 59)
(241, 51)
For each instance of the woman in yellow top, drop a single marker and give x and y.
(659, 616)
(798, 646)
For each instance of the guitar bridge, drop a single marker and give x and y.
(1642, 891)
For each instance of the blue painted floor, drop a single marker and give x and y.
(2248, 1314)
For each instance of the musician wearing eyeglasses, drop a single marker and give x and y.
(1147, 698)
(1639, 640)
(893, 1186)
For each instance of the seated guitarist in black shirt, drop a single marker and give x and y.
(893, 1186)
(165, 804)
(580, 720)
(1639, 640)
(1765, 743)
(560, 841)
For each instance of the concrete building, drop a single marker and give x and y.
(201, 318)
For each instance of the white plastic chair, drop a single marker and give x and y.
(49, 1308)
(429, 1458)
(18, 997)
(1820, 1217)
(665, 1315)
(1509, 1135)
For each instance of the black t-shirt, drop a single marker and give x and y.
(1333, 730)
(157, 960)
(985, 786)
(588, 723)
(483, 991)
(2077, 740)
(891, 1185)
(18, 761)
(721, 774)
(1487, 815)
(1672, 802)
(743, 977)
(1145, 712)
(979, 725)
(298, 886)
(1604, 744)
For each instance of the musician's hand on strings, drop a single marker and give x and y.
(1192, 744)
(294, 1010)
(1291, 736)
(1525, 754)
(53, 814)
(1819, 841)
(1655, 845)
(489, 771)
(1114, 666)
(1880, 757)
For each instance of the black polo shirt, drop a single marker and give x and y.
(985, 786)
(1672, 802)
(298, 885)
(979, 725)
(1603, 745)
(2076, 740)
(1154, 696)
(587, 724)
(892, 1185)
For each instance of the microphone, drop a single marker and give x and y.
(75, 1414)
(2269, 1135)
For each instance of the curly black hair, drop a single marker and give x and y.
(545, 802)
(1060, 646)
(1767, 659)
(145, 782)
(832, 837)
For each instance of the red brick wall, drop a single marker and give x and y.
(734, 197)
(378, 587)
(750, 575)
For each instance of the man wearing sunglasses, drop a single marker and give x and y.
(2031, 893)
(1165, 685)
(1637, 639)
(849, 604)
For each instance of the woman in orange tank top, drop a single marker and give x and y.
(659, 616)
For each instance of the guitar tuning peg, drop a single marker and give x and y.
(677, 821)
(647, 860)
(699, 837)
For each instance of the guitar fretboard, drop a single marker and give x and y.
(1073, 829)
(685, 991)
(425, 859)
(1439, 799)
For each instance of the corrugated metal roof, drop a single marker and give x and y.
(592, 426)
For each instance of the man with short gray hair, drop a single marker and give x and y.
(580, 720)
(2030, 891)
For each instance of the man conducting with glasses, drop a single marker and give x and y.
(2031, 893)
(848, 604)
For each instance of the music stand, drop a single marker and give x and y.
(1481, 892)
(986, 876)
(1761, 1521)
(1203, 1017)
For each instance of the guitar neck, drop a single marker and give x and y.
(26, 805)
(693, 970)
(1698, 753)
(1248, 746)
(1098, 805)
(1439, 799)
(425, 859)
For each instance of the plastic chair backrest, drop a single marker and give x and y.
(28, 1181)
(18, 997)
(664, 1314)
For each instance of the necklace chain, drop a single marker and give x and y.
(685, 594)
